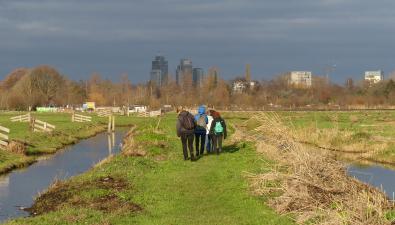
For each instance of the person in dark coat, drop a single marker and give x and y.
(218, 131)
(186, 131)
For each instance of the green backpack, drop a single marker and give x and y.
(218, 129)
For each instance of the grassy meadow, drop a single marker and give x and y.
(159, 187)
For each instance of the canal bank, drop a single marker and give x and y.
(19, 188)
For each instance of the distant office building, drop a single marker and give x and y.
(301, 79)
(156, 77)
(183, 70)
(159, 70)
(374, 76)
(197, 76)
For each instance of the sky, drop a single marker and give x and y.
(79, 37)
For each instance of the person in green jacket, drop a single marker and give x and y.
(218, 132)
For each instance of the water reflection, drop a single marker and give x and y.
(19, 188)
(111, 142)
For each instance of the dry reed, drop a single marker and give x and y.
(311, 185)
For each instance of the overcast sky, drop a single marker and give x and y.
(79, 37)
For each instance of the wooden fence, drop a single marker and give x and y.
(42, 126)
(80, 118)
(155, 113)
(143, 114)
(150, 114)
(4, 137)
(22, 118)
(104, 113)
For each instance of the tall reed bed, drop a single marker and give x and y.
(311, 186)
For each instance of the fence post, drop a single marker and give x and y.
(45, 126)
(72, 117)
(113, 124)
(32, 121)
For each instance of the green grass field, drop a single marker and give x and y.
(161, 188)
(169, 190)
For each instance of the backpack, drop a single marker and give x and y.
(187, 122)
(218, 129)
(201, 122)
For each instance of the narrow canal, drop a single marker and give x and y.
(375, 175)
(19, 188)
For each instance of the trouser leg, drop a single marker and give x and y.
(197, 144)
(184, 146)
(211, 141)
(207, 144)
(220, 142)
(215, 149)
(202, 142)
(190, 145)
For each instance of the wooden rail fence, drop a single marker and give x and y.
(150, 114)
(42, 126)
(4, 139)
(80, 118)
(22, 118)
(104, 113)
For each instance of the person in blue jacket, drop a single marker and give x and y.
(200, 130)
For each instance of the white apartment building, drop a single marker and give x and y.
(374, 76)
(301, 78)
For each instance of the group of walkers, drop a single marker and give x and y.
(207, 129)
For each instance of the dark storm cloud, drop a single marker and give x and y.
(112, 37)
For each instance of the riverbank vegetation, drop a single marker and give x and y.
(31, 145)
(364, 136)
(312, 185)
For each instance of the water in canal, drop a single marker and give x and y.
(18, 188)
(375, 175)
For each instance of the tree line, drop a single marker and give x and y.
(45, 86)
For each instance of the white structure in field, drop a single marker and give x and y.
(137, 108)
(301, 78)
(239, 86)
(374, 76)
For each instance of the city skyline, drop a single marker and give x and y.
(117, 37)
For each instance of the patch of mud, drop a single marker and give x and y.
(68, 194)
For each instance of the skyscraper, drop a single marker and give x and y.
(159, 70)
(197, 76)
(183, 70)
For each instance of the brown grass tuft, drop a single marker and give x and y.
(129, 146)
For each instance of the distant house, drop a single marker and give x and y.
(301, 79)
(374, 76)
(241, 85)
